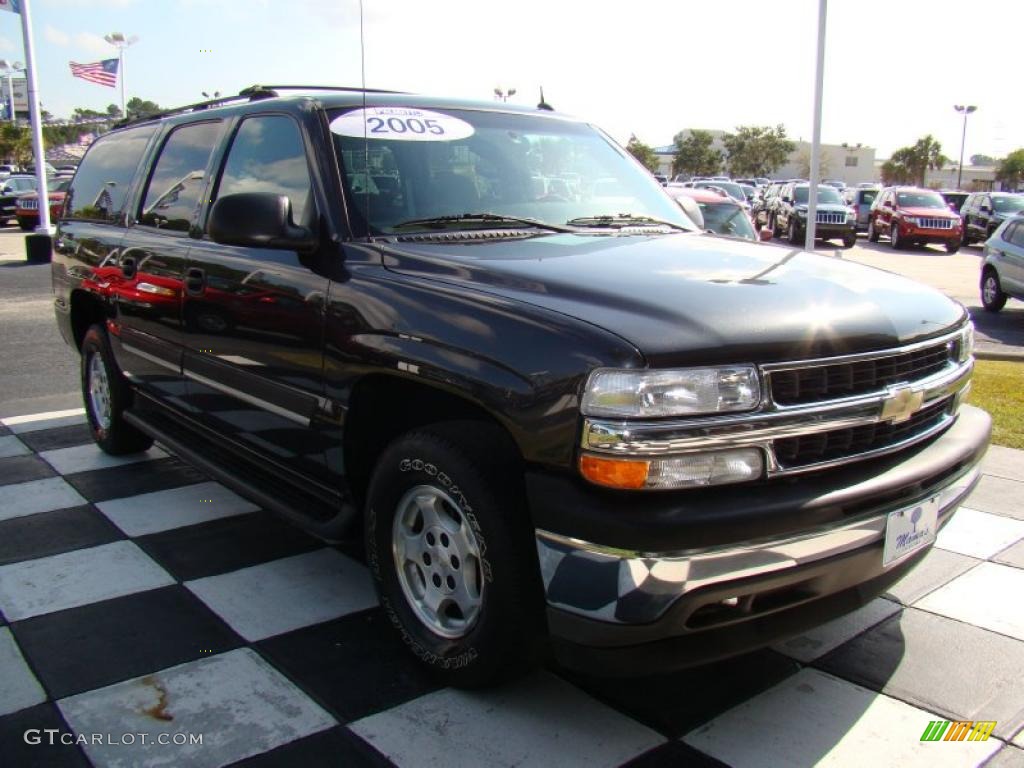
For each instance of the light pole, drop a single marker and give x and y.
(9, 69)
(963, 138)
(504, 93)
(120, 41)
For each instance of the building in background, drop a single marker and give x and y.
(852, 164)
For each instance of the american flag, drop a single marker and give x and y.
(102, 72)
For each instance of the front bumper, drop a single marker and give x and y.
(929, 235)
(643, 610)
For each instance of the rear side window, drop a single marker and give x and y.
(267, 155)
(179, 178)
(867, 198)
(1014, 234)
(100, 187)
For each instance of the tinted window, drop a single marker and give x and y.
(727, 219)
(267, 155)
(178, 179)
(1014, 234)
(825, 194)
(867, 197)
(100, 186)
(1007, 204)
(920, 200)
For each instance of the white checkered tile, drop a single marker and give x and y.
(83, 458)
(814, 719)
(10, 445)
(21, 499)
(174, 508)
(240, 705)
(989, 596)
(286, 594)
(979, 534)
(539, 721)
(35, 587)
(37, 421)
(18, 686)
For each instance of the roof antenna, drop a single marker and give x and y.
(543, 104)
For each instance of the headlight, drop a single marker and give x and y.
(967, 343)
(157, 290)
(686, 471)
(910, 220)
(672, 392)
(851, 214)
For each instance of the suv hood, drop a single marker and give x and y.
(691, 298)
(932, 213)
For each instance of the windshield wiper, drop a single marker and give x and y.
(620, 220)
(440, 222)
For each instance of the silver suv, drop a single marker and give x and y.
(1002, 269)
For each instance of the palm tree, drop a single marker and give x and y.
(926, 155)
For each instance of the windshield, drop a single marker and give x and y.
(825, 194)
(421, 165)
(57, 185)
(727, 219)
(731, 188)
(1007, 204)
(920, 200)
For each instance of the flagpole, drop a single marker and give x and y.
(37, 123)
(120, 73)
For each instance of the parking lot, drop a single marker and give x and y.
(192, 612)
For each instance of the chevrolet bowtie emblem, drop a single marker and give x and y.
(901, 404)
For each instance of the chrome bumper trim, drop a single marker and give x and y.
(637, 587)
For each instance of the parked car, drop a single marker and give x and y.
(983, 212)
(837, 183)
(1002, 266)
(26, 206)
(731, 188)
(955, 199)
(7, 170)
(913, 216)
(834, 221)
(763, 209)
(662, 178)
(860, 199)
(570, 425)
(10, 190)
(721, 214)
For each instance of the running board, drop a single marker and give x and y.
(331, 522)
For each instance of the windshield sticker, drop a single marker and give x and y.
(402, 124)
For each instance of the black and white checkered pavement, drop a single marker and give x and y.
(139, 598)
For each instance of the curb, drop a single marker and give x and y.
(1009, 357)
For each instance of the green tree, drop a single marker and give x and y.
(137, 107)
(898, 169)
(113, 111)
(15, 144)
(83, 115)
(1011, 169)
(757, 150)
(694, 154)
(642, 152)
(909, 165)
(982, 160)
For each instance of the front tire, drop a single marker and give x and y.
(872, 232)
(107, 395)
(952, 246)
(894, 238)
(26, 225)
(849, 241)
(793, 237)
(453, 556)
(992, 296)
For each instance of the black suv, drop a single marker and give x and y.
(485, 338)
(983, 212)
(834, 219)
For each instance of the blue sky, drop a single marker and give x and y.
(894, 67)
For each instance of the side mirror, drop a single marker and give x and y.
(887, 204)
(986, 209)
(257, 220)
(764, 234)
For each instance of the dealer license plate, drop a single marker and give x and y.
(908, 530)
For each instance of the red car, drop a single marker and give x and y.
(912, 215)
(26, 207)
(721, 213)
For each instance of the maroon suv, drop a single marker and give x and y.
(911, 215)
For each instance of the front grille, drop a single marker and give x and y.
(815, 383)
(29, 205)
(927, 222)
(824, 217)
(791, 452)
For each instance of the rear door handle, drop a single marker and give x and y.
(195, 281)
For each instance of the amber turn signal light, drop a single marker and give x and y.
(614, 473)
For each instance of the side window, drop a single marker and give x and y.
(1015, 234)
(100, 186)
(267, 155)
(179, 177)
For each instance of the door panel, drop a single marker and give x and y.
(254, 316)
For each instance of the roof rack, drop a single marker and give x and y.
(252, 93)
